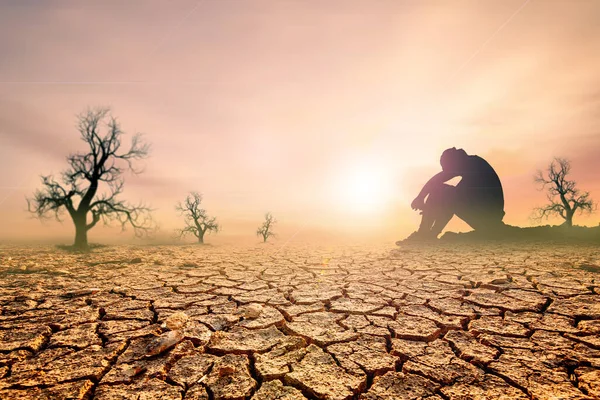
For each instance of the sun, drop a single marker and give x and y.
(365, 187)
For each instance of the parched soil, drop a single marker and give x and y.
(300, 322)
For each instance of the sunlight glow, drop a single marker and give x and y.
(365, 187)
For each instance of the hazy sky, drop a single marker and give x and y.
(298, 106)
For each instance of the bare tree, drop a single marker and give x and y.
(266, 229)
(79, 189)
(564, 198)
(196, 220)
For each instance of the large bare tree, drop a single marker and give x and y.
(197, 222)
(266, 229)
(93, 182)
(563, 196)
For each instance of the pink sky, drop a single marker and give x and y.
(268, 105)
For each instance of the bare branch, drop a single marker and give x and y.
(138, 216)
(265, 230)
(101, 166)
(185, 231)
(196, 219)
(101, 162)
(564, 198)
(51, 199)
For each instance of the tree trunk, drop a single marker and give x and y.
(80, 234)
(569, 220)
(200, 237)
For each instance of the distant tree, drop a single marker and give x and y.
(266, 229)
(564, 198)
(196, 220)
(79, 189)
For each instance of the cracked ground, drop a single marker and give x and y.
(300, 322)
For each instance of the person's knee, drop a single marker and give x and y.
(441, 199)
(442, 194)
(444, 188)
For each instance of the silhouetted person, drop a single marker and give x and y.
(477, 199)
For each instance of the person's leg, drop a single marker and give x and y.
(481, 221)
(478, 209)
(438, 211)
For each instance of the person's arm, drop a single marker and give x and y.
(439, 178)
(436, 180)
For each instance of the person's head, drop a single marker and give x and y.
(452, 157)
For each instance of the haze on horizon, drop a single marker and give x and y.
(300, 107)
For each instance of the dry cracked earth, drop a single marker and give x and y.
(302, 322)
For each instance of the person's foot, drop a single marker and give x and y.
(417, 237)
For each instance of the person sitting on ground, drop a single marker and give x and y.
(477, 199)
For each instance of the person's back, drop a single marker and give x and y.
(479, 193)
(480, 179)
(479, 173)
